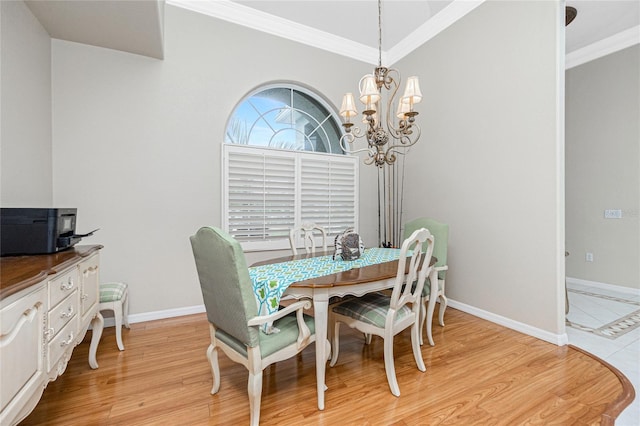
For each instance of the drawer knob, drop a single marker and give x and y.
(67, 314)
(67, 342)
(68, 285)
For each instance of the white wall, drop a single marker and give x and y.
(603, 168)
(488, 162)
(25, 136)
(144, 139)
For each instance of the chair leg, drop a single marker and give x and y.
(431, 306)
(415, 344)
(255, 393)
(117, 315)
(423, 317)
(254, 386)
(212, 356)
(125, 309)
(335, 345)
(389, 366)
(443, 307)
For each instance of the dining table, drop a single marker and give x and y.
(356, 279)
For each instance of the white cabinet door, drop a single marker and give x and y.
(90, 287)
(21, 352)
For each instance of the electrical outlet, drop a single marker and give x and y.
(613, 214)
(588, 257)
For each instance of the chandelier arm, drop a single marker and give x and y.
(350, 138)
(370, 160)
(403, 145)
(396, 132)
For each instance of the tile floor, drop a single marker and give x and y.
(606, 323)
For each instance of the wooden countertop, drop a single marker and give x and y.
(20, 272)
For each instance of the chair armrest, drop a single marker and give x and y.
(298, 307)
(442, 268)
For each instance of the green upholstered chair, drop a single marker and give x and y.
(440, 232)
(231, 310)
(386, 315)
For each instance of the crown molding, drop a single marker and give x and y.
(246, 16)
(441, 21)
(243, 15)
(603, 47)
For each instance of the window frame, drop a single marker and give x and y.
(293, 86)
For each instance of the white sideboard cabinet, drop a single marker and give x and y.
(47, 303)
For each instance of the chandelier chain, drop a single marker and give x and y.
(379, 33)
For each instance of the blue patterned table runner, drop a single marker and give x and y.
(270, 281)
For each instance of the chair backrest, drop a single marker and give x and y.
(225, 283)
(308, 231)
(421, 242)
(440, 232)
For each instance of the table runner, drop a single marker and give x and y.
(270, 281)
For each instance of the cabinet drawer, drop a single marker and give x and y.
(61, 342)
(61, 314)
(63, 285)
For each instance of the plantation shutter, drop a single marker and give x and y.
(267, 192)
(328, 193)
(260, 195)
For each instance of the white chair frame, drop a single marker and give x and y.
(306, 231)
(401, 295)
(120, 310)
(253, 360)
(427, 309)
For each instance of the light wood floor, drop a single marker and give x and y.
(478, 373)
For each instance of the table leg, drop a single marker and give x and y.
(97, 324)
(321, 318)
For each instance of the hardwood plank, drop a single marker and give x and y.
(478, 373)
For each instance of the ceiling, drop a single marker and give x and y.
(130, 26)
(344, 26)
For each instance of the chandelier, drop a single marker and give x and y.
(384, 135)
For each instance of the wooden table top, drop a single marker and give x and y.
(20, 272)
(365, 274)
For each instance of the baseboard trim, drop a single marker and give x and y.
(157, 315)
(604, 286)
(556, 339)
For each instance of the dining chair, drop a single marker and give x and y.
(386, 315)
(231, 310)
(309, 232)
(440, 232)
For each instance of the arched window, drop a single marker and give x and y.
(283, 166)
(285, 116)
